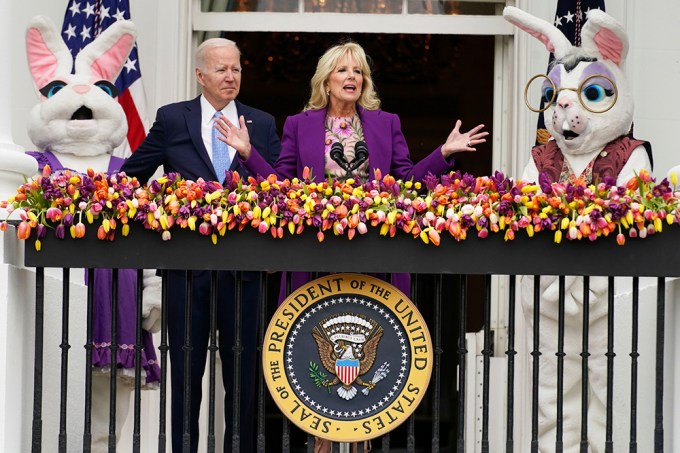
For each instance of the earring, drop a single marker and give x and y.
(328, 92)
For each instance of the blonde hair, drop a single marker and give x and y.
(327, 63)
(211, 44)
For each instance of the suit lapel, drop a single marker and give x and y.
(248, 117)
(192, 117)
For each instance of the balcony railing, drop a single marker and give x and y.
(453, 288)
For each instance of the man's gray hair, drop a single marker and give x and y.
(211, 44)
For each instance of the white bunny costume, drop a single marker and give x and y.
(589, 115)
(76, 126)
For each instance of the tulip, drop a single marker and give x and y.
(433, 235)
(320, 236)
(40, 230)
(658, 224)
(23, 230)
(620, 239)
(263, 227)
(166, 235)
(79, 230)
(558, 236)
(101, 233)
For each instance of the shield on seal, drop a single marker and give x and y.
(347, 370)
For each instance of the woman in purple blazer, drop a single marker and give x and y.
(343, 113)
(343, 133)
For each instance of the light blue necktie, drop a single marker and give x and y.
(220, 153)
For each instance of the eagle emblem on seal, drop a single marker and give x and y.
(347, 345)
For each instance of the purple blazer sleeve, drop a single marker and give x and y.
(400, 164)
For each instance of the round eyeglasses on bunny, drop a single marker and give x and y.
(597, 93)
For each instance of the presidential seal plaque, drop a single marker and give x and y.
(347, 357)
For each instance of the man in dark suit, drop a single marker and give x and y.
(183, 140)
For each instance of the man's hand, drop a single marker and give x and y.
(236, 137)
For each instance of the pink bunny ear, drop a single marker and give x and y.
(551, 37)
(47, 53)
(105, 57)
(602, 35)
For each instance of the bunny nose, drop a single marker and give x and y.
(564, 102)
(81, 89)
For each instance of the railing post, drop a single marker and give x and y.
(36, 439)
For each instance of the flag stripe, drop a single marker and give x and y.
(136, 133)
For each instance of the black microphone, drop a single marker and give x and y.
(338, 156)
(360, 156)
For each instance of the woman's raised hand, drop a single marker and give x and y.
(458, 141)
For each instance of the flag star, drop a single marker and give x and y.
(89, 10)
(85, 34)
(104, 13)
(569, 17)
(119, 15)
(75, 8)
(131, 65)
(70, 31)
(558, 21)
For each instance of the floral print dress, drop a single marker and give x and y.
(346, 131)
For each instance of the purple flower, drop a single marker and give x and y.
(60, 231)
(545, 183)
(430, 181)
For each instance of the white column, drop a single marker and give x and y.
(14, 164)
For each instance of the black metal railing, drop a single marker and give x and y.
(446, 288)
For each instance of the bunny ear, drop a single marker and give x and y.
(603, 35)
(47, 53)
(104, 57)
(551, 37)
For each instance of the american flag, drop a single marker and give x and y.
(569, 18)
(83, 22)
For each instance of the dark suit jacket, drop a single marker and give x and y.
(175, 142)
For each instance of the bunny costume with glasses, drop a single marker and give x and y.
(588, 110)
